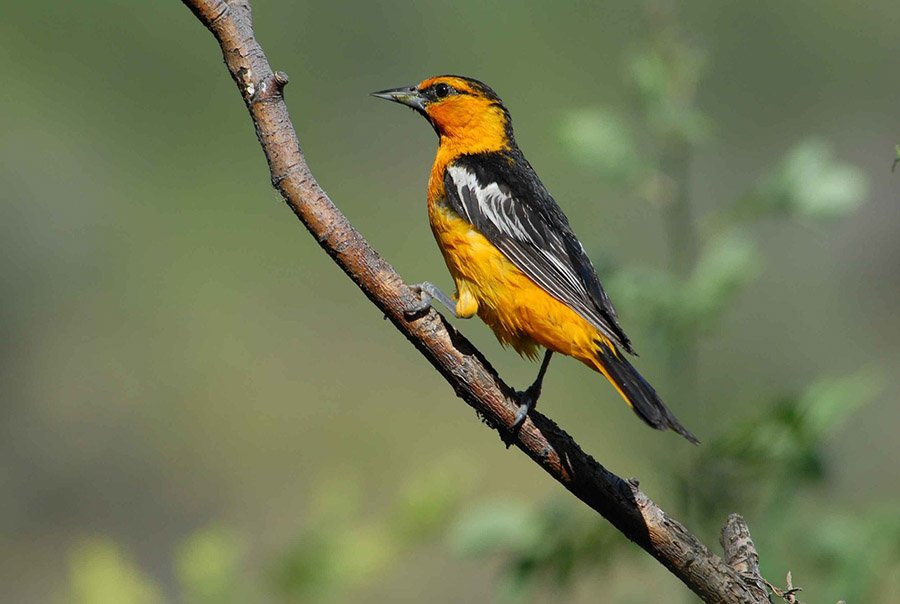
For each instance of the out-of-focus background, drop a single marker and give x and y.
(196, 405)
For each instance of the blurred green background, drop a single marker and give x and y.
(198, 406)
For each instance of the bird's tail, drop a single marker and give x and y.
(637, 392)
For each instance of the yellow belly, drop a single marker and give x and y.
(519, 312)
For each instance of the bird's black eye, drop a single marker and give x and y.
(441, 90)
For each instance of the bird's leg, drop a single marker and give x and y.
(529, 398)
(427, 292)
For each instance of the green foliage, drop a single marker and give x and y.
(497, 526)
(665, 77)
(783, 439)
(208, 565)
(763, 466)
(551, 542)
(427, 502)
(340, 548)
(727, 265)
(808, 183)
(668, 304)
(330, 559)
(99, 573)
(602, 140)
(853, 548)
(758, 466)
(345, 545)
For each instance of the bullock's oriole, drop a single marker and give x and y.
(510, 249)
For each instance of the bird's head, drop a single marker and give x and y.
(462, 111)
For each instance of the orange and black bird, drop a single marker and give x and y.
(513, 256)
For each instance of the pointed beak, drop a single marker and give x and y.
(407, 95)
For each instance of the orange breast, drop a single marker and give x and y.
(519, 312)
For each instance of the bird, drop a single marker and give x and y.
(513, 257)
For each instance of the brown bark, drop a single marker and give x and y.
(741, 555)
(621, 502)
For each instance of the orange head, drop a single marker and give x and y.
(464, 112)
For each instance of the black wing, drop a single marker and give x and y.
(500, 194)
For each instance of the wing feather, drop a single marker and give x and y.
(503, 199)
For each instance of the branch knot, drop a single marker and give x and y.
(270, 88)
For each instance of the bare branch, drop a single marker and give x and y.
(472, 378)
(740, 553)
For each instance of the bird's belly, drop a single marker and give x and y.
(521, 313)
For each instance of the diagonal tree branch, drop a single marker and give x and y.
(474, 380)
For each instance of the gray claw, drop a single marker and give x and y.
(421, 305)
(429, 292)
(521, 414)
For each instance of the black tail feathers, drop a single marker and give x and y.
(640, 394)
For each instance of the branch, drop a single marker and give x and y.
(621, 502)
(740, 554)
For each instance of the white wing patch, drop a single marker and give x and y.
(552, 269)
(492, 203)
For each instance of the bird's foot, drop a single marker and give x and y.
(428, 292)
(527, 401)
(421, 302)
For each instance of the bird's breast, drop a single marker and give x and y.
(519, 312)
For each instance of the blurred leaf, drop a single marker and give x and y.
(208, 564)
(726, 266)
(330, 559)
(896, 157)
(826, 404)
(550, 541)
(651, 76)
(100, 574)
(496, 526)
(304, 570)
(652, 295)
(601, 141)
(808, 183)
(425, 504)
(312, 567)
(343, 549)
(667, 305)
(854, 549)
(361, 552)
(766, 459)
(796, 427)
(666, 82)
(518, 581)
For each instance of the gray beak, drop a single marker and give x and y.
(407, 95)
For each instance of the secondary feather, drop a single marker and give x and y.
(516, 214)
